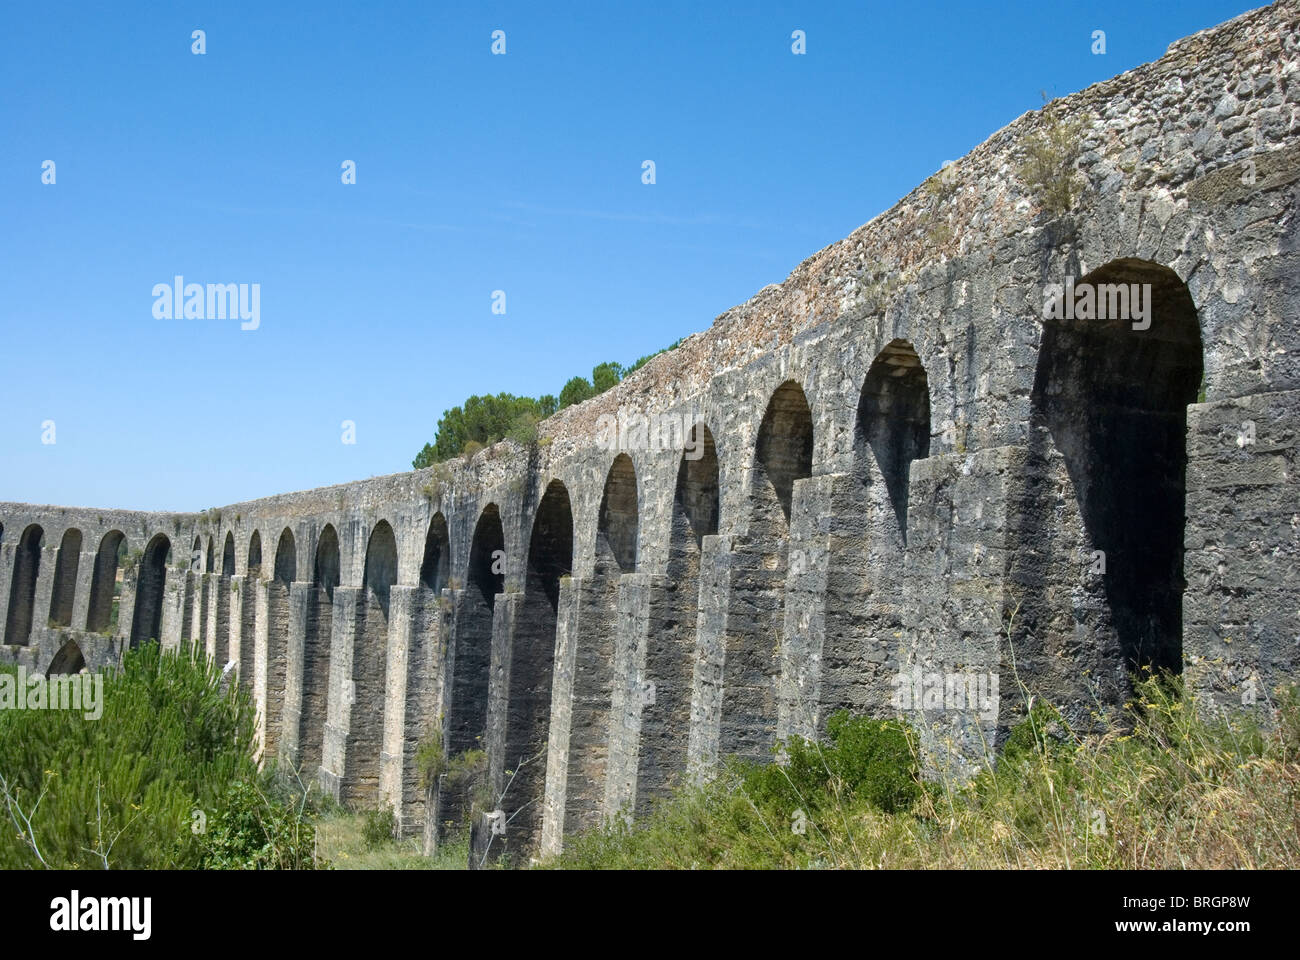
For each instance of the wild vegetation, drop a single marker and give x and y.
(1173, 789)
(164, 778)
(1049, 170)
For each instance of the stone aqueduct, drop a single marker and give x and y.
(891, 460)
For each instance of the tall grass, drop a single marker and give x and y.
(1174, 788)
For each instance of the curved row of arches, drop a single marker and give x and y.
(1108, 402)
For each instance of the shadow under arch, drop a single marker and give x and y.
(248, 611)
(146, 621)
(760, 563)
(369, 657)
(277, 637)
(104, 582)
(670, 644)
(893, 422)
(316, 652)
(592, 693)
(532, 660)
(1111, 392)
(22, 586)
(69, 659)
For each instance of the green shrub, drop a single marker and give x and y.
(862, 758)
(254, 829)
(380, 827)
(1048, 171)
(137, 787)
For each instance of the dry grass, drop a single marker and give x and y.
(1175, 790)
(340, 839)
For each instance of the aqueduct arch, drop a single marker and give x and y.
(532, 658)
(68, 660)
(369, 654)
(65, 577)
(22, 589)
(1112, 394)
(782, 456)
(151, 577)
(673, 632)
(317, 631)
(104, 581)
(284, 571)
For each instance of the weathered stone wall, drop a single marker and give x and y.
(901, 467)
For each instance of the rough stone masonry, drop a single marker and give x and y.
(901, 465)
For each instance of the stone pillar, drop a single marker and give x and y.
(212, 589)
(85, 580)
(348, 618)
(961, 527)
(44, 591)
(440, 655)
(633, 691)
(261, 626)
(237, 593)
(414, 639)
(863, 601)
(224, 600)
(710, 654)
(289, 751)
(126, 605)
(567, 636)
(198, 612)
(505, 613)
(6, 584)
(176, 585)
(1241, 607)
(799, 691)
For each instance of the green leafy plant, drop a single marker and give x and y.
(380, 827)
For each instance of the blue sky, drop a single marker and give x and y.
(475, 173)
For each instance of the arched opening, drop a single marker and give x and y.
(316, 652)
(196, 595)
(868, 537)
(894, 421)
(277, 636)
(1111, 390)
(670, 645)
(436, 566)
(471, 655)
(151, 580)
(783, 453)
(67, 660)
(593, 675)
(248, 611)
(228, 556)
(366, 730)
(532, 659)
(208, 565)
(617, 528)
(224, 599)
(782, 456)
(22, 588)
(286, 559)
(106, 584)
(255, 556)
(66, 565)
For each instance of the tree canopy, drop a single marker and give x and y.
(483, 420)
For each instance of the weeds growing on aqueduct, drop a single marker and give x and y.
(1176, 790)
